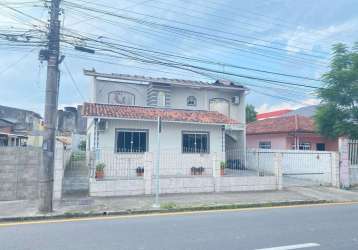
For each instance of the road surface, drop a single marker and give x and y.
(316, 227)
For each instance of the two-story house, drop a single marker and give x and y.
(198, 118)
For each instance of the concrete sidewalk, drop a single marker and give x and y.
(77, 205)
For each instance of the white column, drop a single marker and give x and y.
(58, 171)
(278, 170)
(148, 172)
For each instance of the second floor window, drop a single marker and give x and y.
(191, 101)
(161, 99)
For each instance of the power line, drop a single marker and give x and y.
(73, 81)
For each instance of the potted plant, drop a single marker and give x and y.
(100, 170)
(222, 168)
(140, 171)
(193, 170)
(200, 170)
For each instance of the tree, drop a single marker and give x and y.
(250, 113)
(338, 112)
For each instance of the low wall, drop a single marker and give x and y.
(19, 173)
(173, 185)
(251, 183)
(116, 187)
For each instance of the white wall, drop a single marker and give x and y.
(103, 88)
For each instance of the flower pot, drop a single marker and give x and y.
(99, 174)
(222, 171)
(140, 173)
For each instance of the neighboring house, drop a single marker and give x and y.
(197, 117)
(273, 114)
(19, 127)
(287, 132)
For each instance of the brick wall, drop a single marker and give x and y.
(19, 169)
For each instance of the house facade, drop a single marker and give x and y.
(198, 119)
(287, 132)
(19, 127)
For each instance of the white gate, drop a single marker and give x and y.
(307, 168)
(353, 161)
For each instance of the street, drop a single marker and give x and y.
(311, 227)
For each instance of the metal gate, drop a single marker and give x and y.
(353, 161)
(306, 168)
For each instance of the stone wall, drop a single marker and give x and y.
(19, 170)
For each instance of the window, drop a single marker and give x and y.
(265, 144)
(195, 142)
(132, 141)
(320, 147)
(191, 101)
(302, 146)
(161, 99)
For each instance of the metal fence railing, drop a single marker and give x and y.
(174, 163)
(116, 165)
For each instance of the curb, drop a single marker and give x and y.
(69, 215)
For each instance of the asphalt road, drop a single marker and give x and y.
(313, 227)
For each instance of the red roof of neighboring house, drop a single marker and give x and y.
(149, 113)
(272, 114)
(284, 124)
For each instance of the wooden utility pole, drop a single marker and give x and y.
(51, 103)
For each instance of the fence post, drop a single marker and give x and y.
(335, 169)
(343, 145)
(148, 173)
(216, 173)
(58, 171)
(278, 170)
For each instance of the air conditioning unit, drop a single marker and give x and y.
(235, 100)
(101, 125)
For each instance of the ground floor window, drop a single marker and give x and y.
(195, 142)
(302, 146)
(131, 141)
(320, 147)
(265, 144)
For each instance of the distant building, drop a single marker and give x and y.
(70, 121)
(287, 132)
(72, 125)
(19, 127)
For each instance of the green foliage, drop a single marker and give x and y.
(100, 166)
(82, 145)
(250, 113)
(78, 156)
(338, 112)
(222, 164)
(168, 205)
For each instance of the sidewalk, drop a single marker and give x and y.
(77, 206)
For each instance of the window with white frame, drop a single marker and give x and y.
(195, 142)
(131, 141)
(191, 101)
(302, 146)
(265, 144)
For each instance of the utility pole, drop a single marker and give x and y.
(52, 85)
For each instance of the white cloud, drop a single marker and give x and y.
(269, 107)
(320, 37)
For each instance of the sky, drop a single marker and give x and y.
(288, 37)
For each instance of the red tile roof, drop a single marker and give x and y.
(272, 114)
(281, 125)
(149, 113)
